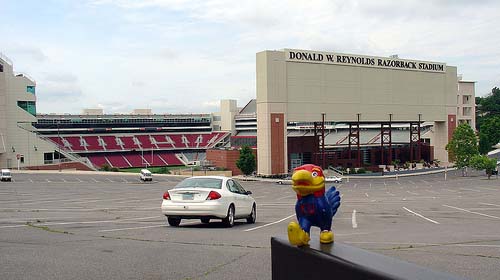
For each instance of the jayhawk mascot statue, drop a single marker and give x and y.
(314, 207)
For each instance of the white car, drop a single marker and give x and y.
(146, 175)
(209, 197)
(334, 179)
(5, 175)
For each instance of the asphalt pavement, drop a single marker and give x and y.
(89, 225)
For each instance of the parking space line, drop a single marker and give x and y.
(488, 189)
(353, 219)
(425, 244)
(283, 197)
(464, 189)
(472, 212)
(490, 204)
(412, 193)
(132, 228)
(279, 221)
(88, 222)
(391, 194)
(421, 216)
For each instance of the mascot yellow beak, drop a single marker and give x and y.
(305, 182)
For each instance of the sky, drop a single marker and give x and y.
(182, 56)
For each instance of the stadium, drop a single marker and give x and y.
(338, 110)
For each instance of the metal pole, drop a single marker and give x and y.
(323, 140)
(58, 147)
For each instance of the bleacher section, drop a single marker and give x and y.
(111, 144)
(137, 150)
(139, 142)
(115, 160)
(135, 160)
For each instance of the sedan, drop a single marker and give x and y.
(334, 179)
(209, 197)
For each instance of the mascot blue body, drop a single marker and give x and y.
(314, 207)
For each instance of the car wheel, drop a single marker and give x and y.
(253, 216)
(174, 221)
(205, 220)
(229, 220)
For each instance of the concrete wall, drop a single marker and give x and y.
(16, 133)
(466, 103)
(228, 109)
(302, 90)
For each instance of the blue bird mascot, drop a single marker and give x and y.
(314, 207)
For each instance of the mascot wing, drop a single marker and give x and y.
(333, 198)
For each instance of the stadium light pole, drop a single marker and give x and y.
(58, 147)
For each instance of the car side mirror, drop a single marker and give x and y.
(249, 192)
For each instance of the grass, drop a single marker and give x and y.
(155, 170)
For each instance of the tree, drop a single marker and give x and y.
(489, 133)
(463, 146)
(246, 163)
(487, 106)
(481, 162)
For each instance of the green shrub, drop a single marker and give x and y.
(105, 167)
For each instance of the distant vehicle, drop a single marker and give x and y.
(284, 181)
(333, 179)
(208, 197)
(287, 180)
(5, 175)
(146, 175)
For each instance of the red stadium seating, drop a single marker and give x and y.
(92, 143)
(75, 143)
(162, 142)
(171, 159)
(128, 143)
(115, 154)
(117, 160)
(145, 142)
(135, 160)
(98, 161)
(111, 143)
(58, 141)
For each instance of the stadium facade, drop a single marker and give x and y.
(311, 107)
(357, 90)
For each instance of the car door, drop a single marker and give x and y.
(247, 201)
(239, 203)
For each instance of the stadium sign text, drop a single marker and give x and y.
(361, 60)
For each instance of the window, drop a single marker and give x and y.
(1, 68)
(30, 89)
(28, 106)
(231, 186)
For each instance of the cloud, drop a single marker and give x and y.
(183, 56)
(24, 52)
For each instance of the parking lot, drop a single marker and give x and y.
(95, 226)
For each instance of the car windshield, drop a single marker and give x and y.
(210, 183)
(6, 173)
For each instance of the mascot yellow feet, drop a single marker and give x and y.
(296, 235)
(325, 236)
